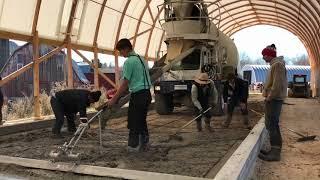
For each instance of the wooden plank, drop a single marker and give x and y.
(92, 170)
(96, 73)
(36, 80)
(69, 65)
(100, 73)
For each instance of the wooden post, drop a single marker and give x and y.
(91, 64)
(36, 81)
(69, 64)
(117, 71)
(96, 66)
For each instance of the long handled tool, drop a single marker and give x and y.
(175, 135)
(67, 148)
(303, 137)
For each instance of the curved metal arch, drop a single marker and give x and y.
(152, 29)
(306, 44)
(139, 22)
(318, 22)
(307, 19)
(36, 17)
(288, 27)
(255, 4)
(274, 19)
(311, 26)
(96, 34)
(71, 19)
(245, 15)
(311, 18)
(294, 30)
(287, 20)
(120, 22)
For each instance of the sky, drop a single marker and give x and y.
(253, 39)
(249, 40)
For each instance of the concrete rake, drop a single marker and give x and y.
(175, 135)
(66, 150)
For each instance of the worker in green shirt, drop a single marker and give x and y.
(135, 77)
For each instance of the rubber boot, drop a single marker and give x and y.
(208, 126)
(227, 122)
(199, 126)
(273, 155)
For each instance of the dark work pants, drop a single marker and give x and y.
(137, 114)
(1, 104)
(232, 104)
(273, 110)
(57, 109)
(207, 115)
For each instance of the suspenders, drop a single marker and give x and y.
(144, 72)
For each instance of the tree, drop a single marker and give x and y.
(244, 59)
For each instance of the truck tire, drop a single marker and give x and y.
(163, 104)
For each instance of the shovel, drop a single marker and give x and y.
(303, 137)
(175, 135)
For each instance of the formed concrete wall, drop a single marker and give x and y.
(242, 162)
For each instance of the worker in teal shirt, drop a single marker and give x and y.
(135, 77)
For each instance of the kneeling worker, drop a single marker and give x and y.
(68, 103)
(235, 93)
(203, 96)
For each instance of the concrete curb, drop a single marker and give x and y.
(242, 162)
(31, 124)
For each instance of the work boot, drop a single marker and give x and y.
(273, 155)
(264, 152)
(227, 122)
(56, 136)
(133, 149)
(199, 126)
(72, 130)
(208, 126)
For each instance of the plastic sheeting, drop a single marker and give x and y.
(139, 20)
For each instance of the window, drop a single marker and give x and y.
(19, 66)
(21, 58)
(191, 62)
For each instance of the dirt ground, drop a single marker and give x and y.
(300, 160)
(195, 156)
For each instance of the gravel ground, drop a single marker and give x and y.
(194, 156)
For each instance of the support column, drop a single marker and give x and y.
(96, 66)
(315, 80)
(36, 81)
(117, 71)
(69, 64)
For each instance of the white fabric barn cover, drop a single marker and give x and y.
(103, 22)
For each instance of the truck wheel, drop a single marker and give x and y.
(163, 104)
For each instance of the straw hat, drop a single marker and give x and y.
(202, 78)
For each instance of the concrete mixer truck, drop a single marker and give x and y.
(194, 45)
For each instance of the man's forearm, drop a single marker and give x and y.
(122, 89)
